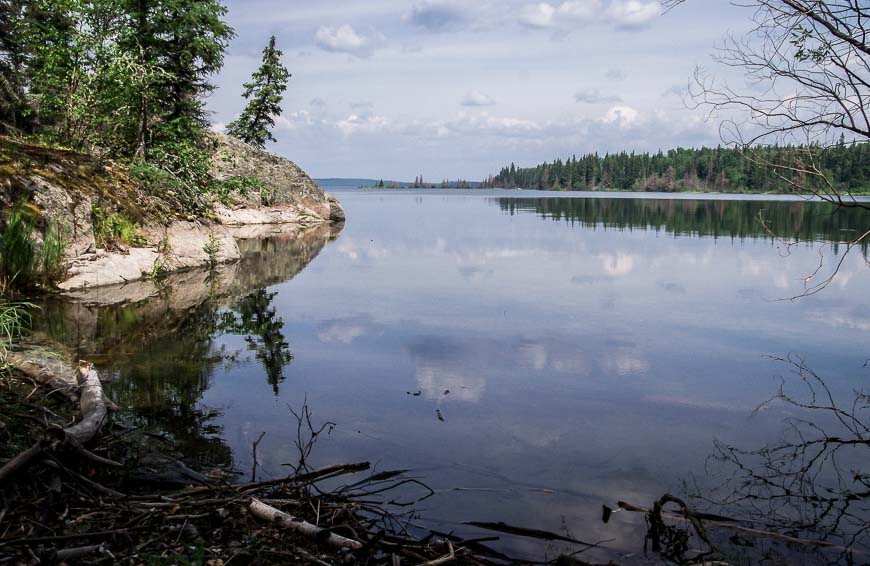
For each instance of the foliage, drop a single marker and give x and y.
(705, 169)
(264, 94)
(212, 247)
(17, 249)
(13, 111)
(113, 229)
(242, 186)
(806, 80)
(24, 263)
(14, 317)
(53, 254)
(122, 78)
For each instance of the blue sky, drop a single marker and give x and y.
(450, 89)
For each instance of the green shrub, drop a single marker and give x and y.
(212, 247)
(24, 264)
(53, 256)
(113, 229)
(17, 249)
(242, 186)
(14, 317)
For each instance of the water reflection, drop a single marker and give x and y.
(811, 483)
(599, 364)
(685, 217)
(158, 345)
(254, 317)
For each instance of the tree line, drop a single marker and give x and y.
(758, 170)
(127, 79)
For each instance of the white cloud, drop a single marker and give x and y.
(580, 9)
(631, 14)
(572, 12)
(356, 123)
(344, 39)
(538, 15)
(475, 98)
(594, 96)
(293, 120)
(567, 15)
(622, 116)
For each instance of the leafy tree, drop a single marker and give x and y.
(264, 94)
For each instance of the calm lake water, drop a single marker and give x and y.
(547, 355)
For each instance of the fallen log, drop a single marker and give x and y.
(268, 513)
(47, 371)
(94, 408)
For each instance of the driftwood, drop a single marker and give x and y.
(94, 407)
(51, 373)
(268, 513)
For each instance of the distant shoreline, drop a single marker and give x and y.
(611, 193)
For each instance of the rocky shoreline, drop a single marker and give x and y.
(72, 191)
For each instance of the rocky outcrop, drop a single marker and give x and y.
(67, 186)
(282, 192)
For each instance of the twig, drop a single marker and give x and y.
(254, 454)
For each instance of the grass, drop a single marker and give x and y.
(53, 256)
(17, 250)
(14, 317)
(114, 229)
(24, 263)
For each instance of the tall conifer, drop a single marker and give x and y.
(264, 94)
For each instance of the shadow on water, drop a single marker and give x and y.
(155, 344)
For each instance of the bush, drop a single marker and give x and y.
(23, 264)
(53, 256)
(13, 318)
(114, 229)
(17, 248)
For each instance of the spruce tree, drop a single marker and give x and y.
(264, 94)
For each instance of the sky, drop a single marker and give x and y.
(455, 89)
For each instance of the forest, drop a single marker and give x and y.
(126, 80)
(729, 170)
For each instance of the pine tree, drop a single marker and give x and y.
(11, 62)
(264, 94)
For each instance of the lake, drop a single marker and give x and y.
(531, 357)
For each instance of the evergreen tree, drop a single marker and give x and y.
(11, 63)
(168, 49)
(264, 94)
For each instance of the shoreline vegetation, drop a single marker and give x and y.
(843, 168)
